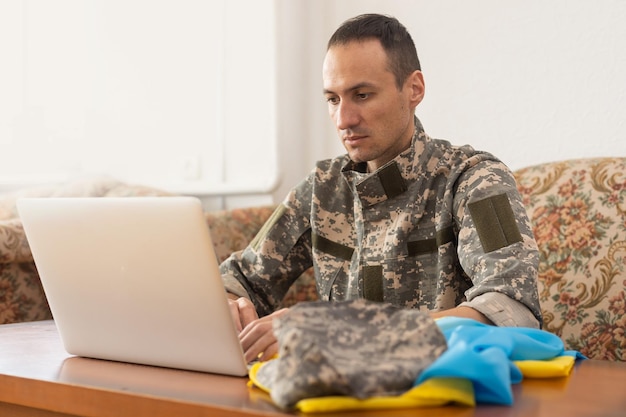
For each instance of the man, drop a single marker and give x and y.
(402, 218)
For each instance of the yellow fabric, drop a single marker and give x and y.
(253, 379)
(555, 367)
(431, 393)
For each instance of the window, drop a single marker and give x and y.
(173, 93)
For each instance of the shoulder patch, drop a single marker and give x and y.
(495, 222)
(277, 214)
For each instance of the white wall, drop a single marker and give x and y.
(133, 87)
(528, 80)
(178, 94)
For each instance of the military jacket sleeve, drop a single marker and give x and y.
(277, 256)
(496, 246)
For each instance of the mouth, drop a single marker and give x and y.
(353, 139)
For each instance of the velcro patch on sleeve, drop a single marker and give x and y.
(495, 222)
(277, 214)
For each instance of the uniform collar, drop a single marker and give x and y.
(393, 178)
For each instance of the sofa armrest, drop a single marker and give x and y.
(13, 244)
(232, 230)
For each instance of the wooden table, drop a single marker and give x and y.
(38, 378)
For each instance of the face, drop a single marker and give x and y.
(373, 118)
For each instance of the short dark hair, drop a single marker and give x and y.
(393, 36)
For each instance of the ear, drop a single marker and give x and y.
(416, 87)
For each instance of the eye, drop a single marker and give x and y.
(332, 100)
(362, 96)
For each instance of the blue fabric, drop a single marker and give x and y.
(484, 354)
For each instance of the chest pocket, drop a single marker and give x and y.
(415, 279)
(412, 279)
(332, 264)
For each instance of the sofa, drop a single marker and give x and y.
(577, 209)
(578, 212)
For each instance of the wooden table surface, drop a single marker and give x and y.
(39, 379)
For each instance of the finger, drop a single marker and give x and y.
(255, 331)
(257, 337)
(247, 312)
(234, 312)
(263, 347)
(269, 352)
(262, 329)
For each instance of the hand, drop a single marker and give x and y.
(257, 338)
(462, 311)
(243, 312)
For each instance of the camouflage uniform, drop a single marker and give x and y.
(436, 227)
(356, 348)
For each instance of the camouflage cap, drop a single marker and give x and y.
(355, 348)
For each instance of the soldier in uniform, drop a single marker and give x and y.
(402, 218)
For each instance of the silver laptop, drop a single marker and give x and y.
(134, 279)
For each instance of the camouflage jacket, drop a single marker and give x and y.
(355, 348)
(436, 227)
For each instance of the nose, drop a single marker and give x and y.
(346, 115)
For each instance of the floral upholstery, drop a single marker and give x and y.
(232, 230)
(578, 212)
